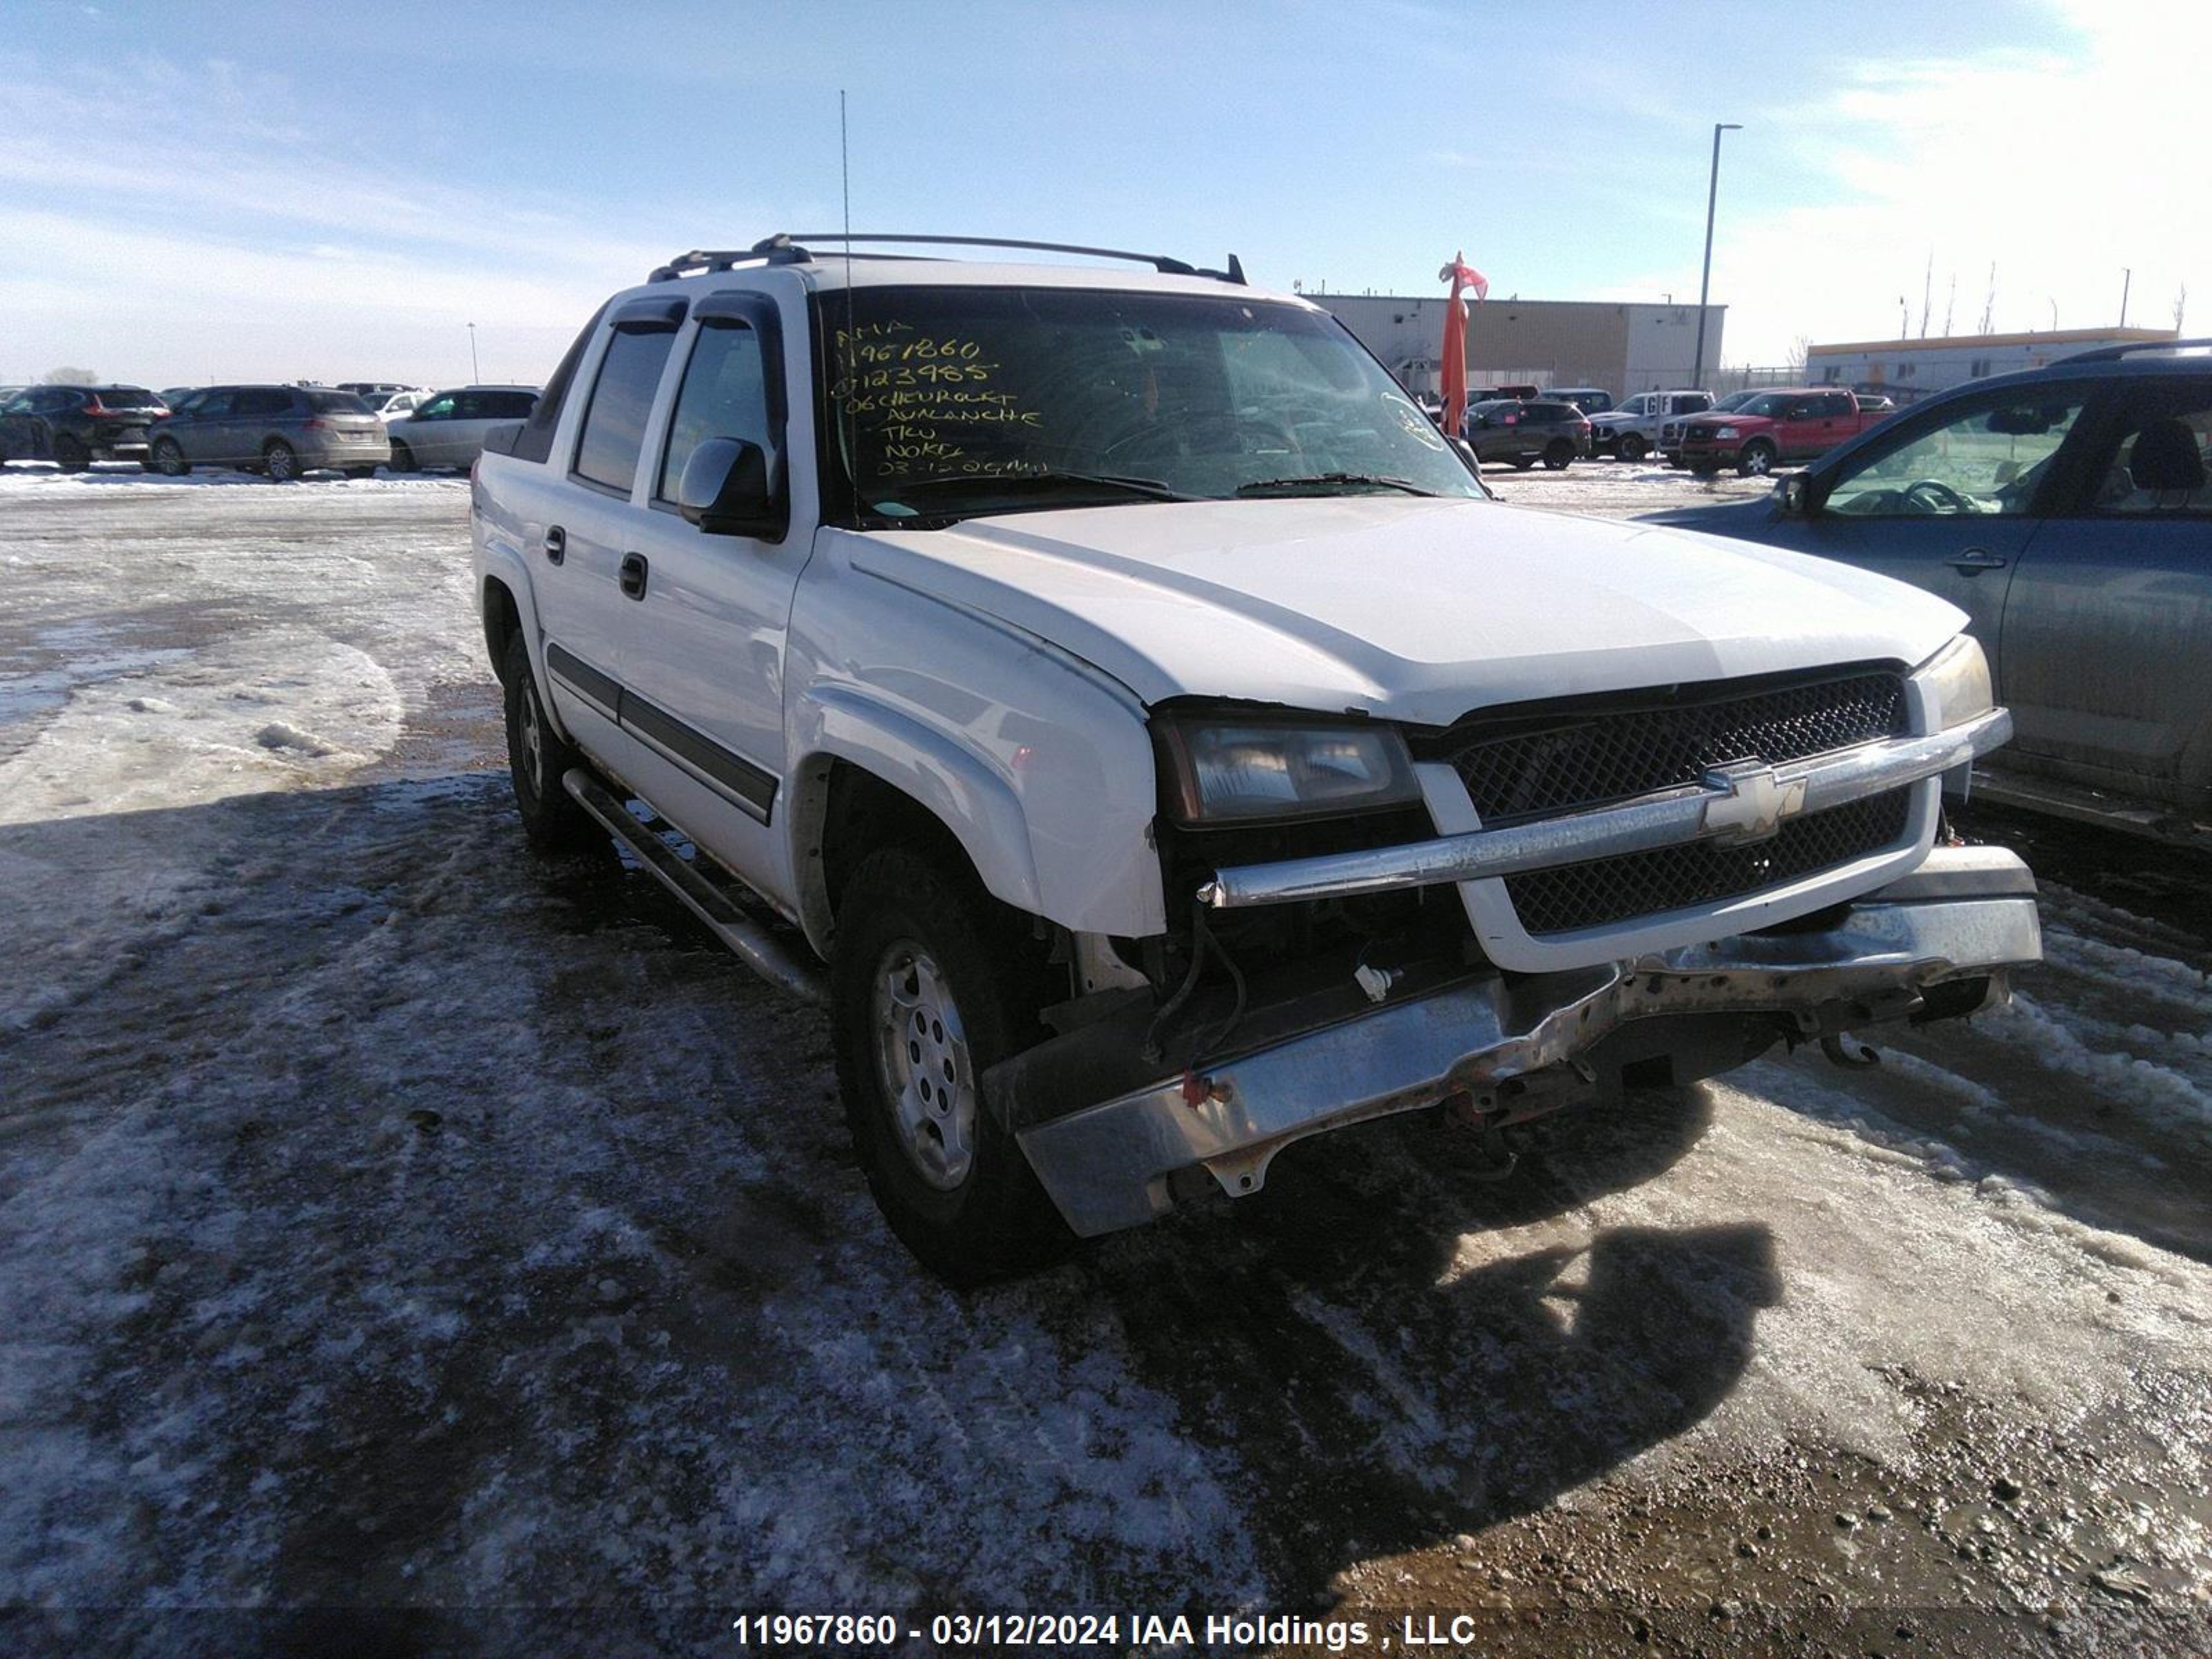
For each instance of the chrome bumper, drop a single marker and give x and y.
(1967, 913)
(1738, 804)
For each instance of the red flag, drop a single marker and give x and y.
(1461, 274)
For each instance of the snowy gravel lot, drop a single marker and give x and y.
(435, 1250)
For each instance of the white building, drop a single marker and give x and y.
(1908, 369)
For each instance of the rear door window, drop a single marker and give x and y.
(2162, 463)
(614, 424)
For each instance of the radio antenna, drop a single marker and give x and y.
(851, 355)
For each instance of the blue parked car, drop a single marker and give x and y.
(2067, 511)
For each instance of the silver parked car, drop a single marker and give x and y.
(281, 431)
(449, 429)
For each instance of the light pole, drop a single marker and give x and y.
(2127, 282)
(475, 373)
(1704, 281)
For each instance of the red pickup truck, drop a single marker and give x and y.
(1775, 427)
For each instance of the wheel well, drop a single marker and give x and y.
(502, 620)
(862, 814)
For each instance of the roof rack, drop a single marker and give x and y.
(2112, 354)
(787, 248)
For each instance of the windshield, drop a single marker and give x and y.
(953, 402)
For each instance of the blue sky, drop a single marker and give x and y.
(190, 190)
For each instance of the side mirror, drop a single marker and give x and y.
(726, 491)
(1465, 451)
(1790, 495)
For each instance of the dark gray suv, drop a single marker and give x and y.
(2068, 511)
(1508, 429)
(280, 430)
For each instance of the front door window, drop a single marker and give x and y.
(1988, 459)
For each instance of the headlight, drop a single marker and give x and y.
(1726, 432)
(1957, 681)
(1232, 771)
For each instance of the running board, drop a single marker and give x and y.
(757, 947)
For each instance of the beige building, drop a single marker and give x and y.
(1624, 349)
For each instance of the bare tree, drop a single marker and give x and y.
(1950, 305)
(1801, 353)
(1990, 305)
(1926, 289)
(2180, 307)
(71, 377)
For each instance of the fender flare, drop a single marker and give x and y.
(958, 787)
(503, 564)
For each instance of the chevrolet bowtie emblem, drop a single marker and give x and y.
(1756, 802)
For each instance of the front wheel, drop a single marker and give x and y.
(168, 459)
(537, 757)
(280, 461)
(1558, 455)
(933, 982)
(1757, 459)
(403, 458)
(1633, 448)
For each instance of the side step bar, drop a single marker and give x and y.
(755, 945)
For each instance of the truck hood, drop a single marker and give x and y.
(1406, 609)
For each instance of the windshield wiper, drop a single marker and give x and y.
(1268, 486)
(1149, 489)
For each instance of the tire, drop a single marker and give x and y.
(1706, 468)
(1558, 455)
(933, 982)
(167, 459)
(280, 461)
(70, 455)
(403, 458)
(536, 756)
(1633, 448)
(1756, 459)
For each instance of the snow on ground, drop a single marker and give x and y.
(389, 1220)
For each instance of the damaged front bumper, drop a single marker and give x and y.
(1937, 944)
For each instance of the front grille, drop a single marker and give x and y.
(1540, 765)
(1605, 890)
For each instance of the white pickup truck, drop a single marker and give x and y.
(1110, 692)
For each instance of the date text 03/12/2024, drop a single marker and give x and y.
(1213, 1631)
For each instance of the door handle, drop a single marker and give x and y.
(632, 575)
(556, 543)
(1974, 560)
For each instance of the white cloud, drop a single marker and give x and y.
(242, 240)
(2062, 167)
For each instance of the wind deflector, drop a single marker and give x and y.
(650, 316)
